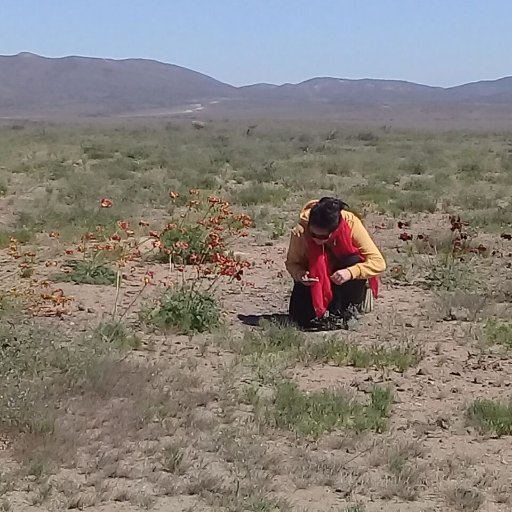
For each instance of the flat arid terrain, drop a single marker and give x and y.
(145, 363)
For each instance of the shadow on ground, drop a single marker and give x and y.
(256, 320)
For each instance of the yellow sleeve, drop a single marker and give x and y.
(296, 258)
(374, 262)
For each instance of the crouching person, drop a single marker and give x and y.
(335, 265)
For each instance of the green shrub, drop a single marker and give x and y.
(415, 202)
(258, 193)
(491, 417)
(470, 170)
(97, 151)
(187, 310)
(23, 236)
(86, 271)
(118, 335)
(499, 333)
(319, 412)
(450, 274)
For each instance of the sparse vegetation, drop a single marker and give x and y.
(450, 275)
(355, 508)
(23, 236)
(499, 333)
(230, 420)
(465, 499)
(272, 338)
(339, 352)
(491, 417)
(86, 272)
(312, 414)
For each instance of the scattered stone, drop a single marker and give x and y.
(443, 423)
(266, 394)
(365, 387)
(459, 314)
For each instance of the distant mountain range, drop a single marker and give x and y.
(32, 86)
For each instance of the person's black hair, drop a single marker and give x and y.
(326, 214)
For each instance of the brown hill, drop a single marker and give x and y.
(33, 86)
(30, 84)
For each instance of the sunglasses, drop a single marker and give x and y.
(317, 236)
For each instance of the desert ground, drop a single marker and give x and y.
(144, 361)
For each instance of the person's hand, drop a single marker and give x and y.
(341, 276)
(307, 280)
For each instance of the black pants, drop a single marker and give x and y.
(346, 296)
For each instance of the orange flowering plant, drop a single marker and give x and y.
(202, 235)
(196, 244)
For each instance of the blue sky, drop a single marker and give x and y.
(246, 41)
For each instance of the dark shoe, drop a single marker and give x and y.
(330, 322)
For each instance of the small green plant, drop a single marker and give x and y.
(268, 505)
(118, 335)
(22, 236)
(272, 338)
(87, 271)
(499, 333)
(43, 493)
(354, 508)
(312, 414)
(39, 467)
(406, 475)
(187, 310)
(8, 304)
(465, 499)
(415, 202)
(335, 350)
(450, 274)
(491, 417)
(278, 230)
(172, 459)
(97, 151)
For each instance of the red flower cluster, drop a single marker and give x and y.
(231, 267)
(405, 236)
(461, 239)
(457, 224)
